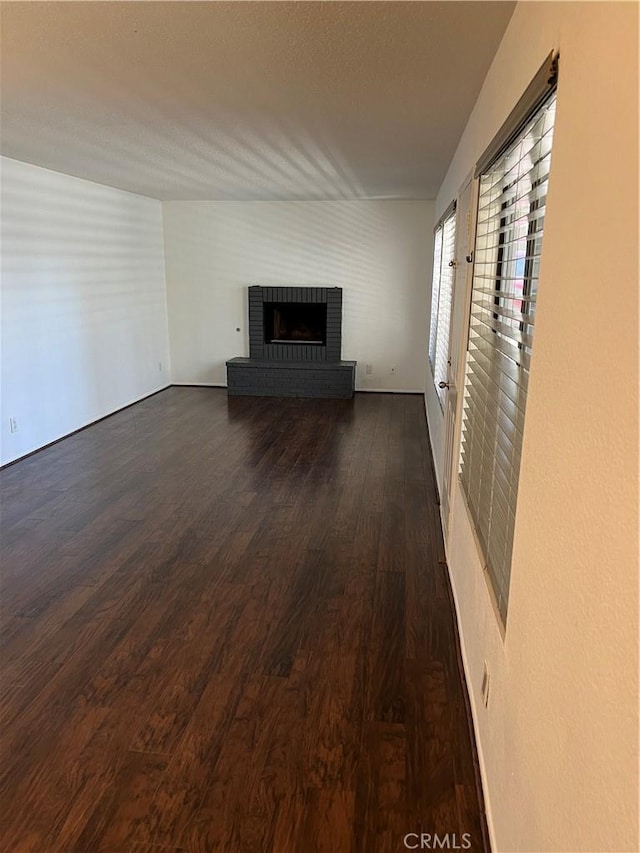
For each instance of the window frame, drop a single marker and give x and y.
(504, 259)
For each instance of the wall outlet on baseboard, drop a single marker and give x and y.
(13, 425)
(368, 368)
(486, 684)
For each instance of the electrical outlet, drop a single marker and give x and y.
(368, 368)
(486, 684)
(13, 425)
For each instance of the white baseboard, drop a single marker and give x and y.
(365, 390)
(82, 426)
(467, 675)
(474, 717)
(433, 459)
(391, 390)
(201, 384)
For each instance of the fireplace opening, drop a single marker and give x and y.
(295, 323)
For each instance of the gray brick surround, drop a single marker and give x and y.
(331, 296)
(257, 378)
(293, 369)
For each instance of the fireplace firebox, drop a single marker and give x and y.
(295, 322)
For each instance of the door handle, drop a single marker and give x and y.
(443, 385)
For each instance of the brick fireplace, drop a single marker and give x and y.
(295, 344)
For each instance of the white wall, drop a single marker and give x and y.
(84, 323)
(379, 252)
(559, 739)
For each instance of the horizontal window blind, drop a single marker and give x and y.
(440, 367)
(509, 230)
(442, 298)
(435, 293)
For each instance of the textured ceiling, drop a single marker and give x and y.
(218, 100)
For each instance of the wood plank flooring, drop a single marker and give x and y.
(227, 626)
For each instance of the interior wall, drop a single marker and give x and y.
(379, 252)
(84, 322)
(559, 739)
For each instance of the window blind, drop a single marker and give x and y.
(435, 293)
(442, 297)
(444, 308)
(509, 230)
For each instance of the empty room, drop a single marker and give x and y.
(319, 427)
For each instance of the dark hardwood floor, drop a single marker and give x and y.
(227, 626)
